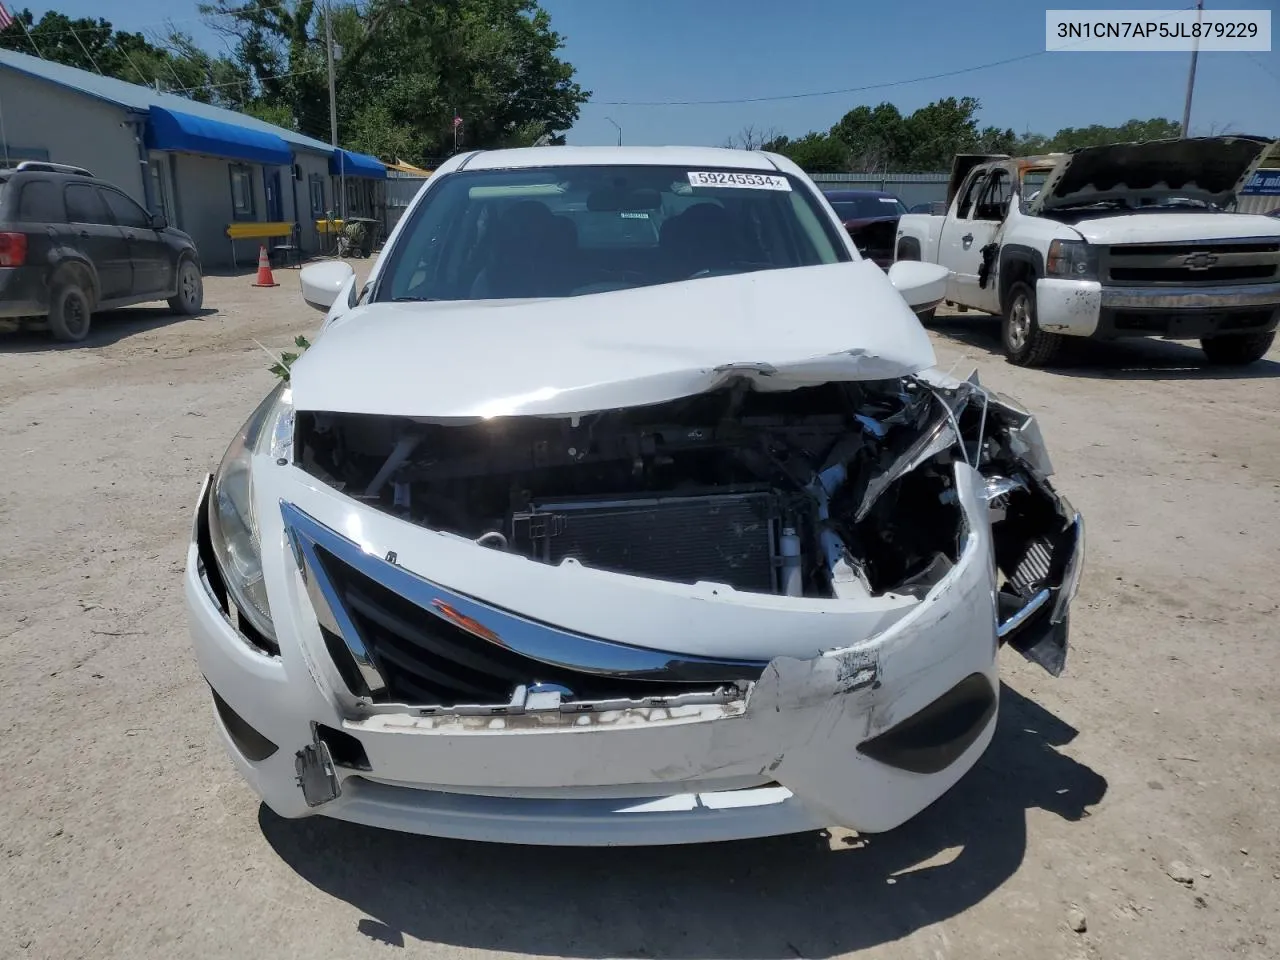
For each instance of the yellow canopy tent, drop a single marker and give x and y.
(408, 168)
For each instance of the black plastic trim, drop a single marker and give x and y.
(252, 745)
(934, 738)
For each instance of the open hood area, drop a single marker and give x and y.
(458, 361)
(1210, 169)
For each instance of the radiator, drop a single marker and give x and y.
(726, 538)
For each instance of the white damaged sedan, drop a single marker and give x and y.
(622, 505)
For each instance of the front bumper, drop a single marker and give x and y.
(794, 752)
(1086, 308)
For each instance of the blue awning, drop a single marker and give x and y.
(350, 164)
(185, 133)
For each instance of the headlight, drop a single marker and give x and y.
(1072, 260)
(233, 527)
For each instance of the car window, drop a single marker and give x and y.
(85, 204)
(863, 208)
(994, 199)
(38, 202)
(568, 231)
(1032, 183)
(969, 195)
(125, 211)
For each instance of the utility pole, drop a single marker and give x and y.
(333, 110)
(1191, 76)
(615, 123)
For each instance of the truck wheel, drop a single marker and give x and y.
(190, 295)
(1237, 350)
(70, 310)
(1025, 344)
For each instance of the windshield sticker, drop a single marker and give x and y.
(888, 200)
(741, 181)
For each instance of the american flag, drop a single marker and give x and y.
(5, 18)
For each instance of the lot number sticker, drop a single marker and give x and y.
(745, 181)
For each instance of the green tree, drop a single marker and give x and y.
(1157, 128)
(814, 152)
(176, 65)
(407, 67)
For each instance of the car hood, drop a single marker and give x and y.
(1212, 169)
(1176, 227)
(465, 360)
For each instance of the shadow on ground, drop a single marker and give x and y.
(107, 328)
(1139, 359)
(790, 896)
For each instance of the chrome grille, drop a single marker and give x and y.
(399, 638)
(1200, 263)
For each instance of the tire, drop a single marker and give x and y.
(1237, 350)
(1025, 344)
(70, 309)
(190, 295)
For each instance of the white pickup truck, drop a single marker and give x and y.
(1125, 240)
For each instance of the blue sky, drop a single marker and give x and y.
(633, 50)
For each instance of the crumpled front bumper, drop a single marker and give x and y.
(864, 735)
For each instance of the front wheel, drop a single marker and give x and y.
(190, 295)
(1025, 344)
(1237, 350)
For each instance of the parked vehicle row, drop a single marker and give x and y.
(72, 245)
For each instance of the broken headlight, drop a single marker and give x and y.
(233, 527)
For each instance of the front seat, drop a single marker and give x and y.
(529, 254)
(701, 238)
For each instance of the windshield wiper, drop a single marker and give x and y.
(415, 299)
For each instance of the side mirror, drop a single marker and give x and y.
(158, 222)
(922, 285)
(322, 282)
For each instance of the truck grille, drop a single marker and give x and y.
(1205, 263)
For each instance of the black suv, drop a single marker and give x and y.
(71, 244)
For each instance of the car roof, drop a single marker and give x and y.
(856, 194)
(692, 157)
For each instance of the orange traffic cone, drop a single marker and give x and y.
(265, 279)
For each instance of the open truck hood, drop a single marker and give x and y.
(466, 360)
(1211, 169)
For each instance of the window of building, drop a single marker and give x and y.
(316, 185)
(241, 192)
(126, 212)
(85, 204)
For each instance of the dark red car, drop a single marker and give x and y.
(871, 217)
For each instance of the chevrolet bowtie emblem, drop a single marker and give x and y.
(1200, 261)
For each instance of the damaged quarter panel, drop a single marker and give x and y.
(624, 507)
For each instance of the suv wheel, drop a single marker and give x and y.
(70, 310)
(1025, 344)
(190, 295)
(1237, 350)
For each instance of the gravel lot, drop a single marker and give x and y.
(126, 832)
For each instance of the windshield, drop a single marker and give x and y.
(568, 231)
(864, 208)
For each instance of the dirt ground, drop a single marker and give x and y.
(126, 833)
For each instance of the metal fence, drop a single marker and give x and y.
(910, 188)
(401, 189)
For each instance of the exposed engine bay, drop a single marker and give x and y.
(842, 490)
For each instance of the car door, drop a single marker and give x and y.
(978, 214)
(91, 230)
(149, 251)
